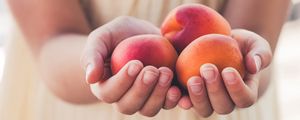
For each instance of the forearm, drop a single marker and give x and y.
(59, 63)
(46, 29)
(262, 17)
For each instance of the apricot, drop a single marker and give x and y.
(152, 50)
(220, 50)
(187, 22)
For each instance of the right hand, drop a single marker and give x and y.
(135, 87)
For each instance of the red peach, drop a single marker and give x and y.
(152, 50)
(187, 22)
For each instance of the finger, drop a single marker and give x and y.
(256, 49)
(218, 96)
(243, 94)
(112, 90)
(94, 55)
(157, 98)
(185, 103)
(172, 98)
(199, 97)
(103, 40)
(134, 99)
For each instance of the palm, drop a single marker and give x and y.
(103, 40)
(146, 89)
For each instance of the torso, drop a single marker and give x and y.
(29, 99)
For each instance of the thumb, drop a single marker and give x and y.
(94, 67)
(94, 56)
(256, 50)
(102, 41)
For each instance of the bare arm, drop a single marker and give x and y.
(260, 22)
(56, 30)
(59, 35)
(265, 17)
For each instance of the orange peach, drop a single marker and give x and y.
(152, 50)
(220, 50)
(190, 21)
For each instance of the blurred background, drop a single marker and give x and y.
(5, 28)
(287, 59)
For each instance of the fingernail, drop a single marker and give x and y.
(196, 88)
(229, 76)
(133, 69)
(208, 73)
(257, 62)
(149, 77)
(164, 79)
(172, 97)
(88, 71)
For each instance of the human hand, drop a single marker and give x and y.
(222, 92)
(135, 88)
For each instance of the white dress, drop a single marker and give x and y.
(23, 96)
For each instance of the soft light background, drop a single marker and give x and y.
(287, 60)
(5, 26)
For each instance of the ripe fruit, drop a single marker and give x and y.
(152, 50)
(220, 50)
(190, 21)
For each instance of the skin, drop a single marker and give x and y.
(266, 21)
(222, 92)
(61, 33)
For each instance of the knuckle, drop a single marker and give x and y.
(236, 89)
(225, 111)
(245, 103)
(214, 90)
(93, 34)
(198, 98)
(107, 100)
(140, 92)
(87, 56)
(206, 114)
(158, 95)
(106, 97)
(148, 113)
(125, 110)
(169, 105)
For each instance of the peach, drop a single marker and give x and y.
(187, 22)
(152, 50)
(220, 50)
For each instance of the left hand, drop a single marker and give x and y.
(222, 92)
